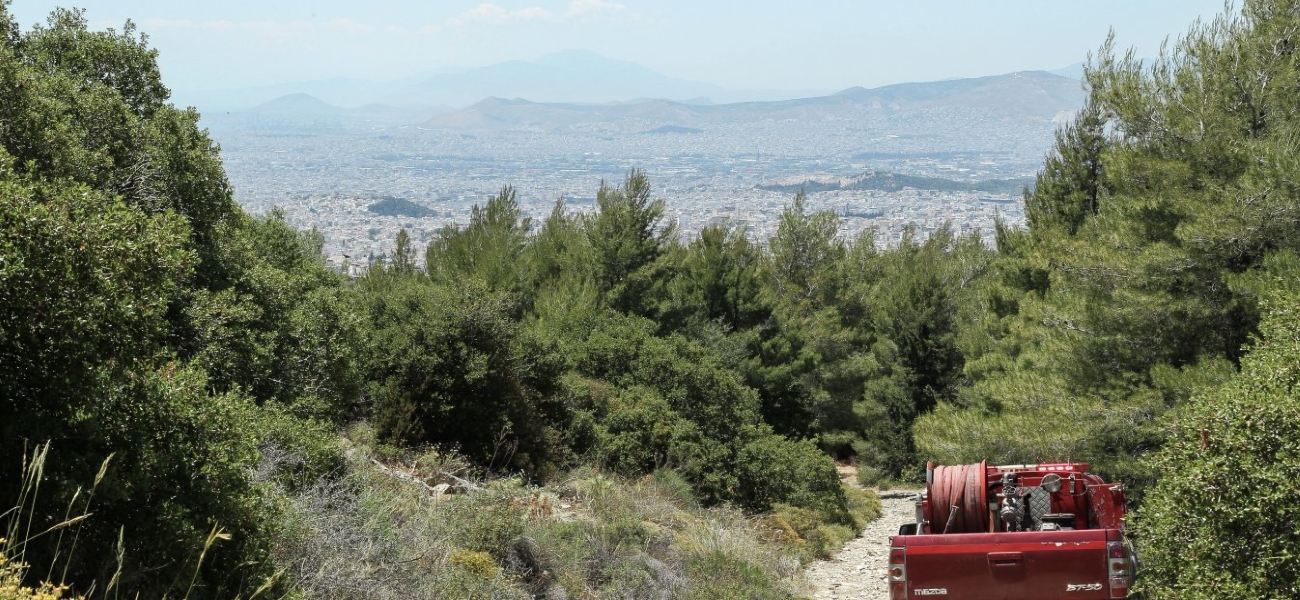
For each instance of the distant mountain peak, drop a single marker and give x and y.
(296, 103)
(586, 60)
(298, 98)
(497, 101)
(571, 55)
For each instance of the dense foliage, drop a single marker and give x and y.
(1112, 327)
(1136, 284)
(145, 318)
(1221, 521)
(191, 366)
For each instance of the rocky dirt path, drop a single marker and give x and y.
(858, 571)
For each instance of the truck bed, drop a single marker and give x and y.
(1008, 566)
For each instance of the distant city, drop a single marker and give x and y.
(968, 145)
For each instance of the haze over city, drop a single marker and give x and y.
(893, 115)
(762, 45)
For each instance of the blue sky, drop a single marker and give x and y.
(753, 44)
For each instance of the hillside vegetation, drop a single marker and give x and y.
(192, 405)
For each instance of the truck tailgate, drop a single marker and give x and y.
(1008, 566)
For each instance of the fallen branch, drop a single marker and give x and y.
(436, 490)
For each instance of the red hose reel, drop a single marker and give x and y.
(958, 498)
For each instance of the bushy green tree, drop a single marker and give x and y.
(560, 249)
(490, 247)
(912, 305)
(805, 256)
(281, 331)
(718, 280)
(85, 285)
(1071, 184)
(668, 402)
(144, 316)
(861, 341)
(627, 235)
(792, 357)
(1156, 210)
(449, 366)
(1221, 519)
(403, 260)
(90, 107)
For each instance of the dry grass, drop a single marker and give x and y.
(413, 526)
(403, 525)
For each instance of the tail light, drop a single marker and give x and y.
(1120, 567)
(897, 574)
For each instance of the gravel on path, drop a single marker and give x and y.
(857, 572)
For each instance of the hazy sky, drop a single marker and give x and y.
(754, 44)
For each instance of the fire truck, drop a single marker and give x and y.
(1013, 532)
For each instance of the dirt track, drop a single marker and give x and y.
(858, 571)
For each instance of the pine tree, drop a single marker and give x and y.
(489, 247)
(1151, 226)
(1069, 188)
(719, 280)
(628, 234)
(805, 252)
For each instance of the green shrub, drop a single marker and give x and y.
(613, 544)
(295, 451)
(775, 470)
(716, 576)
(822, 538)
(817, 534)
(863, 505)
(773, 527)
(478, 564)
(1221, 520)
(674, 487)
(869, 476)
(637, 432)
(491, 522)
(449, 365)
(176, 445)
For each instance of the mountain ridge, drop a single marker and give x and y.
(569, 76)
(1025, 95)
(565, 76)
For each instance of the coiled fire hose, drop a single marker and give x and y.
(958, 499)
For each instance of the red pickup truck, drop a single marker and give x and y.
(1013, 532)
